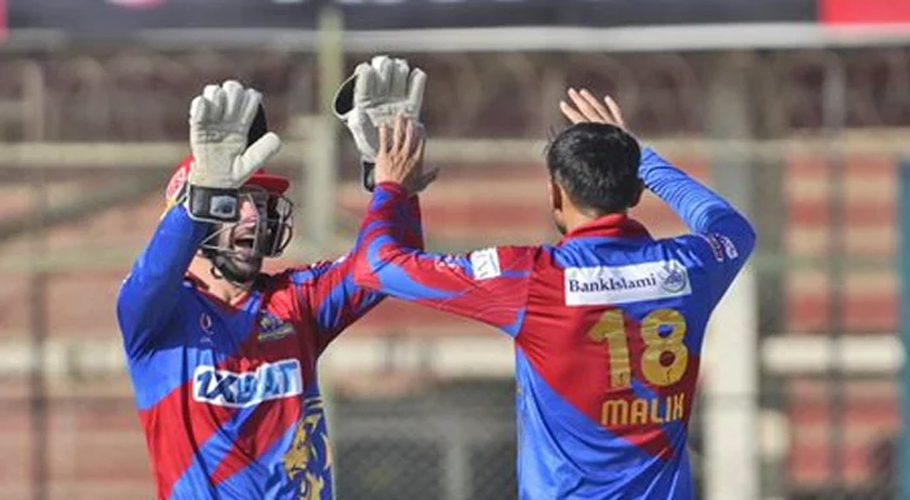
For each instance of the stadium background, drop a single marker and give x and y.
(798, 110)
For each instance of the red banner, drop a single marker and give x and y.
(3, 29)
(864, 11)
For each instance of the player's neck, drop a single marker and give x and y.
(575, 218)
(224, 290)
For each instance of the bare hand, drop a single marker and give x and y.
(586, 108)
(401, 153)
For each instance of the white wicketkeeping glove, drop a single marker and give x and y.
(373, 96)
(219, 122)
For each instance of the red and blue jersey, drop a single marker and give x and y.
(228, 395)
(608, 327)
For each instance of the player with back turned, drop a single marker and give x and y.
(608, 323)
(221, 355)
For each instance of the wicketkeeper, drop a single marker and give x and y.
(222, 356)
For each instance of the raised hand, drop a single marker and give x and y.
(220, 119)
(585, 108)
(400, 157)
(374, 95)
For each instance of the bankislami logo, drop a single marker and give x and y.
(603, 285)
(239, 390)
(673, 277)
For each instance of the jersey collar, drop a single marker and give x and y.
(201, 287)
(609, 226)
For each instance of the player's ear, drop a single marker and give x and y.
(637, 196)
(555, 195)
(559, 201)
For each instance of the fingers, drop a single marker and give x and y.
(214, 94)
(398, 133)
(233, 99)
(384, 69)
(614, 109)
(384, 170)
(383, 140)
(198, 110)
(597, 106)
(582, 107)
(257, 155)
(366, 84)
(570, 113)
(398, 86)
(585, 107)
(409, 133)
(404, 136)
(593, 112)
(230, 105)
(401, 149)
(227, 102)
(416, 85)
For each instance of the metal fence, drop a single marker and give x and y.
(421, 406)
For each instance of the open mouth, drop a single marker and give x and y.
(245, 242)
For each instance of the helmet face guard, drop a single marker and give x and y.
(274, 224)
(268, 234)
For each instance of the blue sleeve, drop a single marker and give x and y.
(150, 293)
(723, 239)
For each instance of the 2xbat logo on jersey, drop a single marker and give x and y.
(270, 381)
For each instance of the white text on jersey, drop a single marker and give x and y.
(239, 390)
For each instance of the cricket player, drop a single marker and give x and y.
(608, 323)
(222, 356)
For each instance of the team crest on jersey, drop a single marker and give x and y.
(308, 463)
(271, 328)
(242, 389)
(673, 277)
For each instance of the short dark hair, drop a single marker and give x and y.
(597, 165)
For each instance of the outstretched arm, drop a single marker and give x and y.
(334, 297)
(487, 285)
(373, 95)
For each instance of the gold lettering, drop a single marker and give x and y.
(615, 412)
(639, 413)
(655, 411)
(679, 408)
